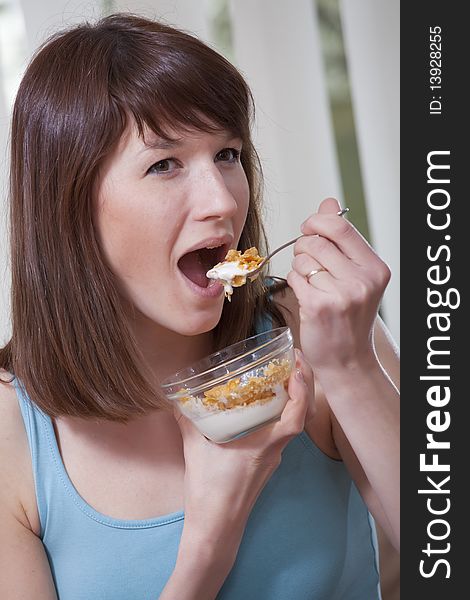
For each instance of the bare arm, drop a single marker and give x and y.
(387, 354)
(338, 309)
(24, 568)
(204, 562)
(323, 427)
(369, 412)
(222, 483)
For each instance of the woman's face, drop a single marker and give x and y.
(166, 213)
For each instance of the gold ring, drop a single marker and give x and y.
(314, 272)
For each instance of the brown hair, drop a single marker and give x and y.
(71, 347)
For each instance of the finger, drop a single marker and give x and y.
(313, 272)
(304, 264)
(305, 292)
(327, 254)
(300, 391)
(328, 206)
(343, 234)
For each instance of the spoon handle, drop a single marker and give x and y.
(340, 213)
(280, 248)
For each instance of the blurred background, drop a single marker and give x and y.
(325, 78)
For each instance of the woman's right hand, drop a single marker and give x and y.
(222, 483)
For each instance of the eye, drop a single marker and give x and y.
(228, 155)
(167, 165)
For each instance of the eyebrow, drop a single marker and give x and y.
(161, 144)
(158, 143)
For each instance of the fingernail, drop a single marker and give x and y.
(299, 375)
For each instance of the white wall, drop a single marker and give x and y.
(191, 15)
(372, 32)
(44, 17)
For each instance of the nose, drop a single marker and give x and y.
(212, 197)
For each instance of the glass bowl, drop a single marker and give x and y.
(237, 389)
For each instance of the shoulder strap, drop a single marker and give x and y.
(34, 422)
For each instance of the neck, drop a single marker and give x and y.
(165, 351)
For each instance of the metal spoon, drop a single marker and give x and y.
(267, 258)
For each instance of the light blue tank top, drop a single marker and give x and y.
(309, 536)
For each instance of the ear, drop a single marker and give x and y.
(329, 205)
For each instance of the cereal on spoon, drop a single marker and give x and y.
(235, 269)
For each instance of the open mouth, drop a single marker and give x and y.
(194, 265)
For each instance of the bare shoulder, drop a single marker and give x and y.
(16, 477)
(318, 424)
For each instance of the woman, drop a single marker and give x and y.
(131, 152)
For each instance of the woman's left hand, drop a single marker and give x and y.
(339, 303)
